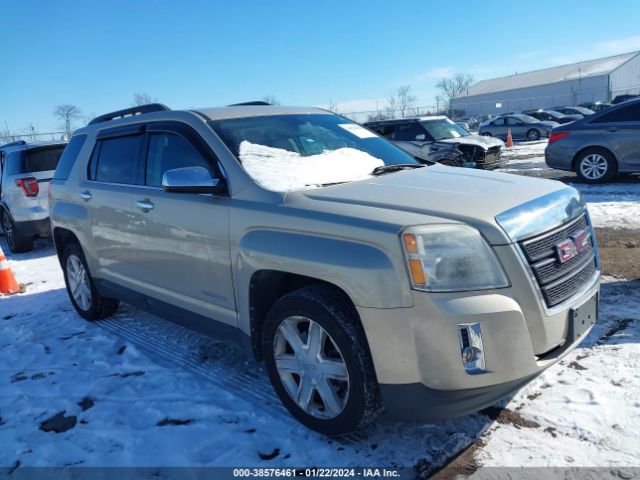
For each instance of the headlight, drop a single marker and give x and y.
(449, 258)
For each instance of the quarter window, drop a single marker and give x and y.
(168, 151)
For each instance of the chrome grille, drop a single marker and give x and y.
(559, 281)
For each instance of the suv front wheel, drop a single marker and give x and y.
(318, 361)
(81, 287)
(17, 242)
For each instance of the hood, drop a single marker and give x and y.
(476, 140)
(474, 197)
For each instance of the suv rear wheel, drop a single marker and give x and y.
(81, 287)
(596, 165)
(318, 361)
(17, 242)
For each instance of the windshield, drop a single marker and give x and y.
(443, 128)
(555, 113)
(293, 152)
(526, 118)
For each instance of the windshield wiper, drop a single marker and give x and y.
(382, 169)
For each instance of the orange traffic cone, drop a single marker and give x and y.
(509, 138)
(8, 284)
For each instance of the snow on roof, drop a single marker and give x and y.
(550, 75)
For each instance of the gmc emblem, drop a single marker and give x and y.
(569, 248)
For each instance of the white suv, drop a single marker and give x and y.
(24, 206)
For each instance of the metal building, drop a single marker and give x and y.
(594, 80)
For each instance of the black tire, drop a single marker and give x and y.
(99, 306)
(17, 242)
(598, 156)
(533, 135)
(329, 308)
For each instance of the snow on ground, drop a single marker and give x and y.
(587, 407)
(615, 204)
(136, 390)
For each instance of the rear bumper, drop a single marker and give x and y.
(40, 227)
(555, 156)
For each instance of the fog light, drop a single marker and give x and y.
(471, 349)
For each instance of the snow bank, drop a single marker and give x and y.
(283, 171)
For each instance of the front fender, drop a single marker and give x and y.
(363, 271)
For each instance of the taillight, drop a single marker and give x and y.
(29, 186)
(555, 136)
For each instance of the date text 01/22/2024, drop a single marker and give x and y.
(316, 472)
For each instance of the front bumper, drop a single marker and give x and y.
(417, 356)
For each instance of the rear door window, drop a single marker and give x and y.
(629, 113)
(115, 160)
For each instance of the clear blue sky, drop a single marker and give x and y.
(96, 54)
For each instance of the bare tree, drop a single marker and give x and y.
(405, 99)
(67, 114)
(332, 107)
(453, 86)
(392, 105)
(142, 98)
(270, 99)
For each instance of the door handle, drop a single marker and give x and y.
(86, 195)
(612, 129)
(144, 205)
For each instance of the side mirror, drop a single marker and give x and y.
(421, 137)
(191, 180)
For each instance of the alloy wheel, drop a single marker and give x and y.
(78, 282)
(311, 367)
(594, 166)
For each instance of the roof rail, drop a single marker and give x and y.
(138, 110)
(252, 103)
(13, 144)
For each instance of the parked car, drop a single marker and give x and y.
(366, 280)
(623, 98)
(441, 140)
(523, 127)
(552, 116)
(595, 106)
(464, 125)
(574, 111)
(600, 145)
(25, 171)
